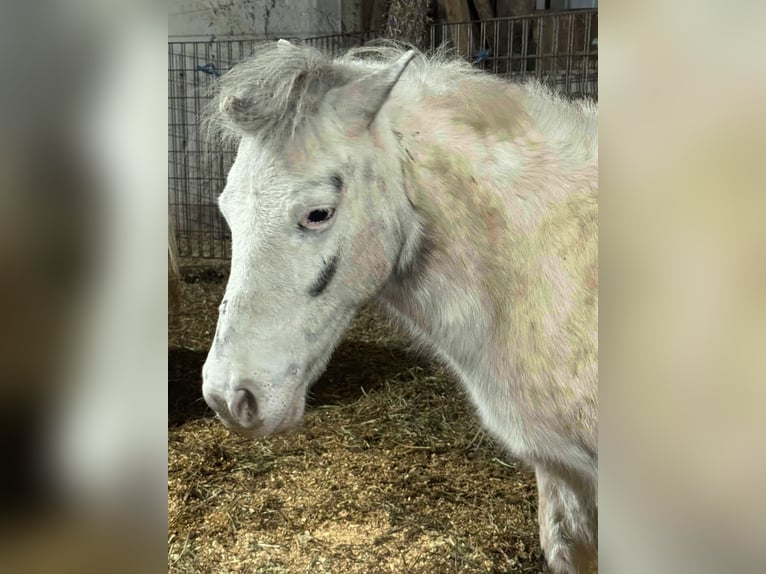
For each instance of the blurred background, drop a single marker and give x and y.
(82, 313)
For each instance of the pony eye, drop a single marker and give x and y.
(316, 218)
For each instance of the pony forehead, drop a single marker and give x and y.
(255, 167)
(262, 171)
(254, 158)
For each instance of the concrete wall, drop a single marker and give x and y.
(203, 19)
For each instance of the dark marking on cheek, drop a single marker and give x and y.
(337, 183)
(325, 276)
(221, 311)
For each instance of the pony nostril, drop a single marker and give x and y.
(244, 407)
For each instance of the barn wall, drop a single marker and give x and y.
(204, 19)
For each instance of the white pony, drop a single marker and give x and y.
(465, 205)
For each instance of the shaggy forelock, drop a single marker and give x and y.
(278, 89)
(272, 93)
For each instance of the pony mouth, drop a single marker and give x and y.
(285, 415)
(268, 426)
(292, 420)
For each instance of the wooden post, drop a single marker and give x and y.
(454, 11)
(508, 33)
(484, 8)
(515, 7)
(366, 15)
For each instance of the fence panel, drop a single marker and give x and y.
(195, 178)
(560, 48)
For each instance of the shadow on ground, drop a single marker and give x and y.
(185, 400)
(355, 368)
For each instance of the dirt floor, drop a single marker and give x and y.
(388, 473)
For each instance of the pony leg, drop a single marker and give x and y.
(568, 518)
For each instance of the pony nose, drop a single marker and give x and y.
(244, 407)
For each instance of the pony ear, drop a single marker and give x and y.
(358, 102)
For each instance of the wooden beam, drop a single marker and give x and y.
(440, 11)
(457, 10)
(366, 14)
(452, 12)
(485, 11)
(515, 7)
(508, 32)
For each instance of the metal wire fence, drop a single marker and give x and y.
(559, 48)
